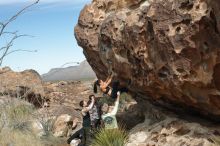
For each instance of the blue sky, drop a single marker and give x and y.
(52, 24)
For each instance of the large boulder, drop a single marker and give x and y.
(168, 50)
(60, 127)
(26, 85)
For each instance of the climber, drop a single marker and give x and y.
(109, 114)
(106, 89)
(86, 107)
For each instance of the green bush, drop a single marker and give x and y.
(110, 137)
(106, 99)
(126, 98)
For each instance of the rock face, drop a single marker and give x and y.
(26, 85)
(164, 128)
(168, 50)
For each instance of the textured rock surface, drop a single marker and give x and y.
(171, 132)
(168, 49)
(60, 128)
(26, 85)
(164, 128)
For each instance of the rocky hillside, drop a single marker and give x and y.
(81, 72)
(167, 51)
(24, 85)
(47, 112)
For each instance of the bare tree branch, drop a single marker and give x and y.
(9, 45)
(1, 24)
(14, 17)
(14, 36)
(9, 33)
(2, 48)
(20, 50)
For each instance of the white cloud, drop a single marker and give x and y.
(13, 2)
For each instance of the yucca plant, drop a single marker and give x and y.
(110, 137)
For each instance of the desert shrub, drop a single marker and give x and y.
(126, 98)
(15, 124)
(18, 138)
(16, 115)
(50, 140)
(16, 119)
(47, 126)
(123, 98)
(106, 99)
(110, 137)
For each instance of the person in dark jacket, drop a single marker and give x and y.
(95, 114)
(86, 119)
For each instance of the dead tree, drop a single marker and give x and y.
(6, 49)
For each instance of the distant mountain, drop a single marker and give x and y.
(83, 71)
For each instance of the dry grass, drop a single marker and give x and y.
(15, 121)
(18, 138)
(16, 115)
(16, 118)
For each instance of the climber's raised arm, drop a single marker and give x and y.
(85, 106)
(108, 81)
(91, 104)
(115, 109)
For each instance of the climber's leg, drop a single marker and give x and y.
(115, 89)
(123, 90)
